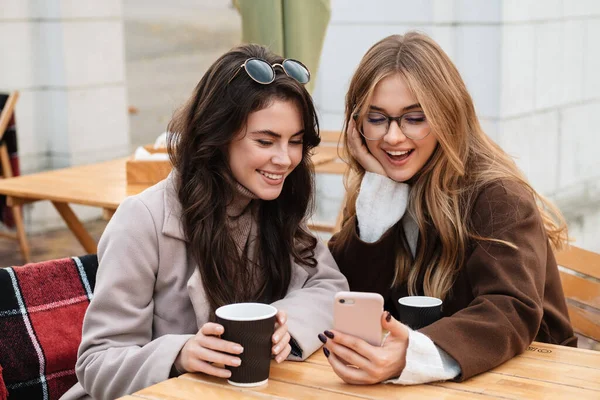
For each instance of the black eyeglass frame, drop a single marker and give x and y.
(398, 121)
(272, 66)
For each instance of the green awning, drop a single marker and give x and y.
(291, 28)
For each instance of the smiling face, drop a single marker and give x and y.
(400, 156)
(267, 149)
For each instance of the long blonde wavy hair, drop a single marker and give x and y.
(464, 161)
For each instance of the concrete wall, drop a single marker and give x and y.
(531, 67)
(66, 57)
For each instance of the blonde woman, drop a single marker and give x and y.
(436, 208)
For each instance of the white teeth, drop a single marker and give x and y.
(398, 153)
(270, 176)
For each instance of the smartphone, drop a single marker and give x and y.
(359, 314)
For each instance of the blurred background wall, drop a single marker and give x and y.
(66, 57)
(530, 65)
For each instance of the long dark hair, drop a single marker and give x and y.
(200, 133)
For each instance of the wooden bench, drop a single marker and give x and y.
(580, 276)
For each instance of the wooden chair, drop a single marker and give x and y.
(580, 276)
(331, 144)
(7, 172)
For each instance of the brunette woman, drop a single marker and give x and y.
(226, 226)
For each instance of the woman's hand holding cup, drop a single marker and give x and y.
(281, 338)
(201, 351)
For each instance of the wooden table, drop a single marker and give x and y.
(543, 372)
(101, 185)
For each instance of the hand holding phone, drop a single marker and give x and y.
(359, 314)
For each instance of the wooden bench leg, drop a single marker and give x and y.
(76, 227)
(21, 236)
(5, 162)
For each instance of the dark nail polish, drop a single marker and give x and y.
(328, 334)
(322, 338)
(326, 351)
(388, 317)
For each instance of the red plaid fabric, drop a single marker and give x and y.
(41, 313)
(3, 392)
(10, 138)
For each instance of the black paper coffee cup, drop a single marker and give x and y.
(419, 311)
(251, 325)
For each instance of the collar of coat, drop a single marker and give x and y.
(172, 225)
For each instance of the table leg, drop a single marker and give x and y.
(21, 236)
(76, 227)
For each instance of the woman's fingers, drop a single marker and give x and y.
(200, 352)
(348, 356)
(281, 336)
(348, 374)
(355, 144)
(279, 333)
(211, 356)
(209, 369)
(359, 150)
(281, 317)
(279, 346)
(218, 344)
(212, 329)
(358, 345)
(284, 354)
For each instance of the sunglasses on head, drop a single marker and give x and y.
(264, 73)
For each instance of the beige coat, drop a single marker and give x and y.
(149, 299)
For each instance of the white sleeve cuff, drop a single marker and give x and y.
(380, 204)
(425, 362)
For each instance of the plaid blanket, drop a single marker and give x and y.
(41, 313)
(10, 138)
(3, 393)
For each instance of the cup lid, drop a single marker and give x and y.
(246, 311)
(420, 301)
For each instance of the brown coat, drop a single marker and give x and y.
(502, 299)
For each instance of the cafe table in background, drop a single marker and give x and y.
(543, 371)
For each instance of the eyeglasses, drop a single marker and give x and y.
(376, 125)
(262, 72)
